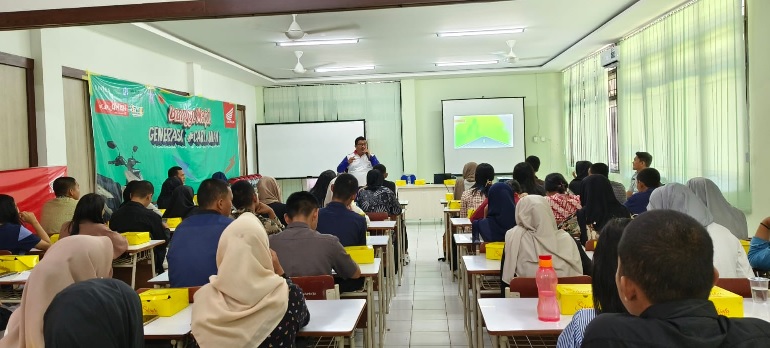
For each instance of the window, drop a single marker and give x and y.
(612, 120)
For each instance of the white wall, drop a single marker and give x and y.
(81, 48)
(422, 118)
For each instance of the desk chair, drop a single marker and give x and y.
(377, 216)
(739, 286)
(318, 287)
(527, 287)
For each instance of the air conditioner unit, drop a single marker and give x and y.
(610, 57)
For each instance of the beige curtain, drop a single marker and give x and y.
(80, 143)
(13, 112)
(240, 119)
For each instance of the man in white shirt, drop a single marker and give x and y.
(359, 162)
(642, 160)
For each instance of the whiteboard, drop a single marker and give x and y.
(300, 150)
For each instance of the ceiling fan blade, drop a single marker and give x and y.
(319, 66)
(332, 29)
(534, 58)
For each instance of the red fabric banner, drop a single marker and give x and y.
(32, 187)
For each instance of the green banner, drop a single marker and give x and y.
(141, 131)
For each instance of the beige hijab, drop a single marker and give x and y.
(245, 300)
(469, 178)
(268, 190)
(70, 260)
(536, 234)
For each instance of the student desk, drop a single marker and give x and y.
(455, 227)
(448, 215)
(443, 202)
(476, 266)
(422, 198)
(336, 318)
(401, 234)
(383, 244)
(13, 295)
(161, 280)
(369, 271)
(518, 317)
(383, 227)
(464, 243)
(133, 256)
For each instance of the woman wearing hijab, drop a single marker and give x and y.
(321, 185)
(500, 215)
(581, 172)
(166, 190)
(181, 203)
(375, 198)
(467, 181)
(89, 220)
(536, 234)
(72, 322)
(525, 175)
(245, 200)
(70, 260)
(729, 257)
(723, 212)
(270, 193)
(247, 304)
(599, 205)
(219, 176)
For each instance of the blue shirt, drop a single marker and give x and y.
(17, 239)
(192, 256)
(759, 254)
(336, 219)
(638, 202)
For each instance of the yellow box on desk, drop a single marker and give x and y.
(18, 263)
(400, 182)
(574, 297)
(361, 254)
(746, 244)
(727, 303)
(136, 238)
(454, 204)
(173, 222)
(450, 182)
(164, 302)
(419, 182)
(54, 238)
(495, 250)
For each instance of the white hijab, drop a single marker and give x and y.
(536, 234)
(245, 300)
(675, 196)
(724, 213)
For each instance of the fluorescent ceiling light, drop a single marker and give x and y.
(348, 68)
(316, 42)
(474, 62)
(480, 32)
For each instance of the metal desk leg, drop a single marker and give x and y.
(133, 270)
(447, 241)
(391, 272)
(370, 313)
(383, 299)
(479, 334)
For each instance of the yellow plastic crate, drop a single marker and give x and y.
(495, 250)
(361, 254)
(136, 238)
(400, 182)
(173, 222)
(727, 303)
(162, 211)
(419, 182)
(454, 204)
(164, 302)
(195, 199)
(746, 244)
(450, 182)
(18, 263)
(54, 238)
(449, 196)
(574, 297)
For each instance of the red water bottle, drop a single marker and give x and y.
(547, 306)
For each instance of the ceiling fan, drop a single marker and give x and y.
(300, 69)
(510, 57)
(295, 32)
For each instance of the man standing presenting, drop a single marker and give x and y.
(641, 160)
(359, 162)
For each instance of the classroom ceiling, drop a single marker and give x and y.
(402, 42)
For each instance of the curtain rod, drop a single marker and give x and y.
(332, 84)
(659, 19)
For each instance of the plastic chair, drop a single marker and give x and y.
(739, 286)
(318, 287)
(527, 287)
(377, 216)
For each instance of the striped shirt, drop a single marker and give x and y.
(572, 336)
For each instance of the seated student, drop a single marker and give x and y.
(336, 219)
(580, 173)
(603, 288)
(534, 161)
(563, 203)
(472, 198)
(270, 194)
(729, 256)
(647, 180)
(73, 259)
(133, 216)
(525, 175)
(536, 234)
(181, 203)
(500, 216)
(89, 220)
(376, 198)
(175, 179)
(321, 253)
(322, 185)
(245, 200)
(219, 176)
(467, 181)
(117, 323)
(60, 209)
(599, 206)
(665, 274)
(759, 250)
(724, 213)
(193, 250)
(248, 303)
(389, 184)
(13, 236)
(127, 190)
(617, 188)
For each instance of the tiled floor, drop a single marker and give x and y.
(427, 310)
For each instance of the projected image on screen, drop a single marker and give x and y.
(483, 131)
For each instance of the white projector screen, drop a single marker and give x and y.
(483, 131)
(300, 150)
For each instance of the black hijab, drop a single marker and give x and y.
(599, 204)
(581, 172)
(166, 190)
(103, 313)
(374, 180)
(181, 203)
(321, 185)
